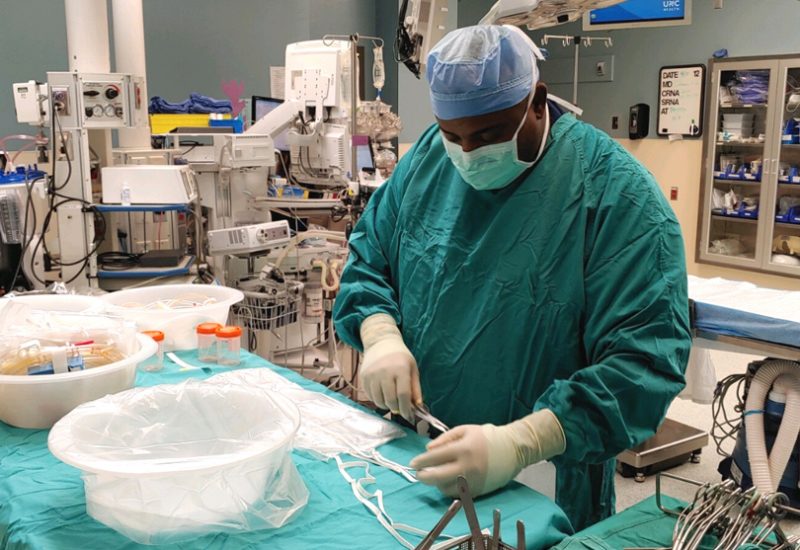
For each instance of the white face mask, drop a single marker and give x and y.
(496, 165)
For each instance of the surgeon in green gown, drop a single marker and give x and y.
(523, 276)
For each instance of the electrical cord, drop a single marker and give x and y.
(55, 153)
(192, 145)
(53, 192)
(84, 262)
(25, 242)
(338, 213)
(726, 427)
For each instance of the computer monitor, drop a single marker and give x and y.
(364, 158)
(260, 106)
(639, 13)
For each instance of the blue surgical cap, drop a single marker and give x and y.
(478, 70)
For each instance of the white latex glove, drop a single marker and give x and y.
(389, 373)
(489, 456)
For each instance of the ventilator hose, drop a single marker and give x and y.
(300, 237)
(765, 471)
(788, 384)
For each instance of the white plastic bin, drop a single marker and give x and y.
(737, 118)
(39, 401)
(149, 307)
(173, 462)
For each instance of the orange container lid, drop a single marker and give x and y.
(208, 328)
(156, 335)
(228, 332)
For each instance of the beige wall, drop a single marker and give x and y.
(678, 164)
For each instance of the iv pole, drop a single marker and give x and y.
(577, 41)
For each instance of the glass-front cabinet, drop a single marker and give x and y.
(750, 213)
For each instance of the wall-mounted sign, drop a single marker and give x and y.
(680, 100)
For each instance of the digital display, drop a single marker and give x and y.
(639, 11)
(364, 157)
(363, 153)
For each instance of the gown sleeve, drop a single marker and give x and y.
(636, 334)
(367, 286)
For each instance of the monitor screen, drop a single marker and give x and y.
(260, 107)
(639, 13)
(363, 153)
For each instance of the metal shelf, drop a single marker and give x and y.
(745, 106)
(141, 207)
(739, 144)
(183, 268)
(733, 218)
(737, 182)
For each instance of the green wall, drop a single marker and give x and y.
(192, 45)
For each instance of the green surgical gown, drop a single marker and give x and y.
(566, 290)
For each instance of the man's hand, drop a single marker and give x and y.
(489, 456)
(391, 381)
(389, 374)
(462, 451)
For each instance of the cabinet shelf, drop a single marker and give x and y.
(733, 218)
(737, 182)
(744, 106)
(763, 149)
(739, 144)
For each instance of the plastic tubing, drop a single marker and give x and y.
(324, 278)
(18, 137)
(766, 471)
(300, 237)
(790, 426)
(335, 266)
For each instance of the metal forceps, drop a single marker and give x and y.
(423, 413)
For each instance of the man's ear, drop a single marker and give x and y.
(539, 103)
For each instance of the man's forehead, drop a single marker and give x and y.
(484, 122)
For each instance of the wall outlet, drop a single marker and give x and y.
(600, 68)
(60, 98)
(615, 123)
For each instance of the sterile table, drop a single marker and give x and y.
(42, 500)
(642, 526)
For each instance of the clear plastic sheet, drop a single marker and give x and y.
(173, 462)
(327, 427)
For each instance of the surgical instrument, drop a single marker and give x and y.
(477, 539)
(424, 414)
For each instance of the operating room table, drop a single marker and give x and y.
(741, 317)
(42, 501)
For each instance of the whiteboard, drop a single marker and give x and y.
(680, 100)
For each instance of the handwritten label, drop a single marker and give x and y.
(680, 100)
